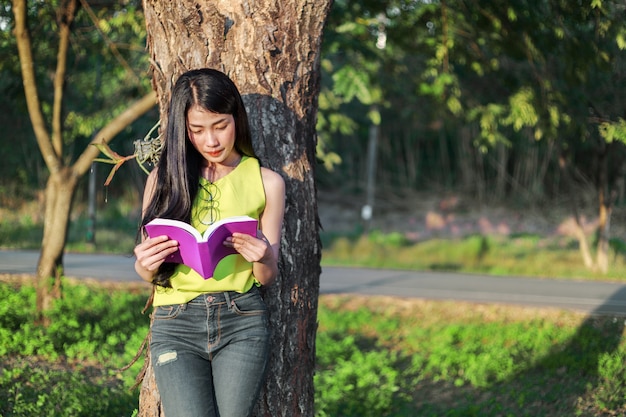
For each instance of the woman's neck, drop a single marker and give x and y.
(214, 171)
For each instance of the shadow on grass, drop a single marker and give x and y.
(579, 378)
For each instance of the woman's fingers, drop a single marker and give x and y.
(152, 252)
(253, 249)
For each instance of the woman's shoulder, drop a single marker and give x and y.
(272, 178)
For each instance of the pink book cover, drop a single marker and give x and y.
(201, 252)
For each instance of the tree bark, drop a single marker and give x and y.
(59, 193)
(271, 50)
(604, 232)
(583, 243)
(24, 49)
(58, 199)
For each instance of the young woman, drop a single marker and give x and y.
(210, 337)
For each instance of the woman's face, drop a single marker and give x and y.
(212, 134)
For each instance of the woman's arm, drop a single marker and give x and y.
(263, 251)
(151, 253)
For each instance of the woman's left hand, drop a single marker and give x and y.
(253, 249)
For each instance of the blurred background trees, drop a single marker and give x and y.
(479, 97)
(62, 86)
(502, 101)
(107, 69)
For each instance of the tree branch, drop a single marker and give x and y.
(24, 49)
(108, 132)
(65, 18)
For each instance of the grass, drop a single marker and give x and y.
(69, 368)
(376, 356)
(381, 356)
(522, 255)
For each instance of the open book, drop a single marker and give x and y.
(201, 252)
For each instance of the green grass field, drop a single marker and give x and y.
(376, 356)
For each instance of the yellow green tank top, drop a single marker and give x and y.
(239, 193)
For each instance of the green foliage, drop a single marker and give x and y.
(377, 359)
(69, 368)
(456, 354)
(107, 69)
(612, 373)
(351, 89)
(612, 131)
(351, 84)
(450, 85)
(37, 389)
(523, 112)
(458, 80)
(352, 381)
(443, 359)
(393, 239)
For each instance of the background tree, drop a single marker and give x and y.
(56, 125)
(554, 68)
(487, 100)
(558, 76)
(271, 50)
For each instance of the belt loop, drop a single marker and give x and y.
(228, 302)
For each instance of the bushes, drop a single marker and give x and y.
(69, 368)
(352, 381)
(44, 389)
(525, 255)
(376, 357)
(446, 359)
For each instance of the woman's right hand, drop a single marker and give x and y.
(151, 253)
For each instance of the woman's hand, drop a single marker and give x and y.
(151, 253)
(259, 251)
(253, 249)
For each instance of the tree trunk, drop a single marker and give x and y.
(604, 233)
(605, 209)
(271, 50)
(502, 160)
(585, 251)
(63, 178)
(606, 200)
(467, 170)
(59, 191)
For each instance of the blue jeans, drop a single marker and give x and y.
(210, 355)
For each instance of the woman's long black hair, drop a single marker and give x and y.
(179, 165)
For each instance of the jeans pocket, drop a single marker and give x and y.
(249, 305)
(166, 312)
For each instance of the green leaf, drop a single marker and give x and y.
(351, 83)
(522, 110)
(374, 116)
(612, 131)
(107, 151)
(621, 40)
